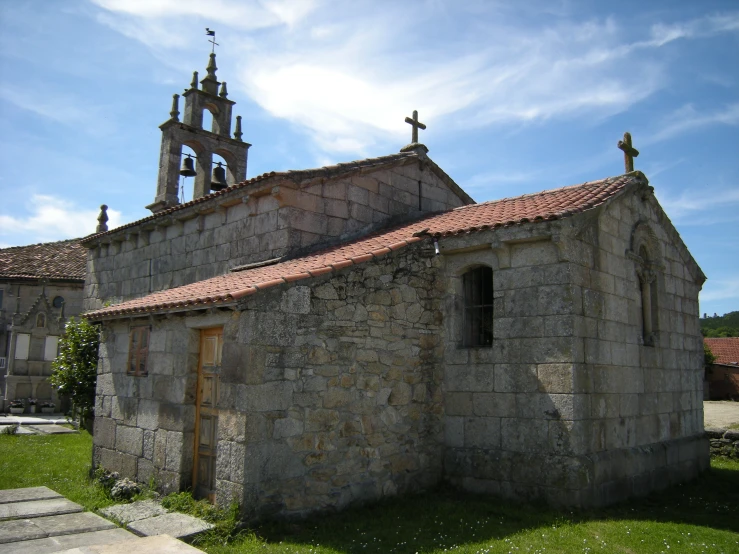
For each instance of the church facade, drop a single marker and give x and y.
(308, 339)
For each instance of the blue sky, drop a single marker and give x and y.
(518, 97)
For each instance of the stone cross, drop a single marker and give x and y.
(629, 152)
(102, 219)
(416, 126)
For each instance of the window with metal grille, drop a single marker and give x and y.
(478, 307)
(138, 351)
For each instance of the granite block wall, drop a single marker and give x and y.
(255, 224)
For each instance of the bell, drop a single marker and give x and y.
(218, 180)
(188, 167)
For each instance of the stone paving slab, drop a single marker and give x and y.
(27, 493)
(38, 508)
(33, 419)
(127, 513)
(50, 526)
(178, 525)
(21, 430)
(51, 429)
(161, 544)
(65, 542)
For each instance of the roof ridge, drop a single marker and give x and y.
(42, 244)
(290, 173)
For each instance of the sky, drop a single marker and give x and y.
(517, 96)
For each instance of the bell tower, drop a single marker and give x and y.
(212, 96)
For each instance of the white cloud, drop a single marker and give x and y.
(49, 219)
(62, 108)
(687, 118)
(690, 204)
(723, 289)
(348, 73)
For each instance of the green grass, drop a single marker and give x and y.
(60, 462)
(702, 516)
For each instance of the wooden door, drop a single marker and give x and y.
(206, 414)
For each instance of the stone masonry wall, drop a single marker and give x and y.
(643, 400)
(330, 393)
(255, 224)
(512, 409)
(144, 425)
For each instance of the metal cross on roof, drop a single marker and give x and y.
(629, 152)
(211, 33)
(416, 126)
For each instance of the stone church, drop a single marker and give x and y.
(303, 340)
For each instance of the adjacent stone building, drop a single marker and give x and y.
(307, 339)
(723, 375)
(41, 286)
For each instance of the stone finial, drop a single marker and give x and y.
(103, 218)
(237, 133)
(224, 92)
(629, 152)
(416, 126)
(194, 84)
(175, 113)
(211, 68)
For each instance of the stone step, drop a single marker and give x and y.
(127, 513)
(66, 542)
(50, 526)
(26, 494)
(160, 544)
(181, 526)
(38, 508)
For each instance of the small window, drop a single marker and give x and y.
(41, 320)
(138, 351)
(58, 302)
(1, 298)
(22, 346)
(51, 347)
(478, 307)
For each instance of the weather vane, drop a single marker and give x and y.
(213, 40)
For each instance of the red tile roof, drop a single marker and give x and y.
(66, 260)
(726, 350)
(542, 206)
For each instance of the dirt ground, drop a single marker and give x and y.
(720, 413)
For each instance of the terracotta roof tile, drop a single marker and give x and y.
(547, 205)
(65, 260)
(726, 350)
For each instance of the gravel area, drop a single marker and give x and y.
(720, 413)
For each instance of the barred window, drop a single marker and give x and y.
(478, 307)
(138, 350)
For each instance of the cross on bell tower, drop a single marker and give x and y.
(212, 95)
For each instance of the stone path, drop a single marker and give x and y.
(39, 520)
(720, 413)
(36, 424)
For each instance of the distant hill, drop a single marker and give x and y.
(721, 326)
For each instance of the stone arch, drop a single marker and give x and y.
(231, 163)
(457, 265)
(646, 254)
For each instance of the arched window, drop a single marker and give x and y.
(648, 282)
(41, 320)
(477, 327)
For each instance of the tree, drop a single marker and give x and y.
(708, 359)
(74, 371)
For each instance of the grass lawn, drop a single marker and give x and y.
(702, 516)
